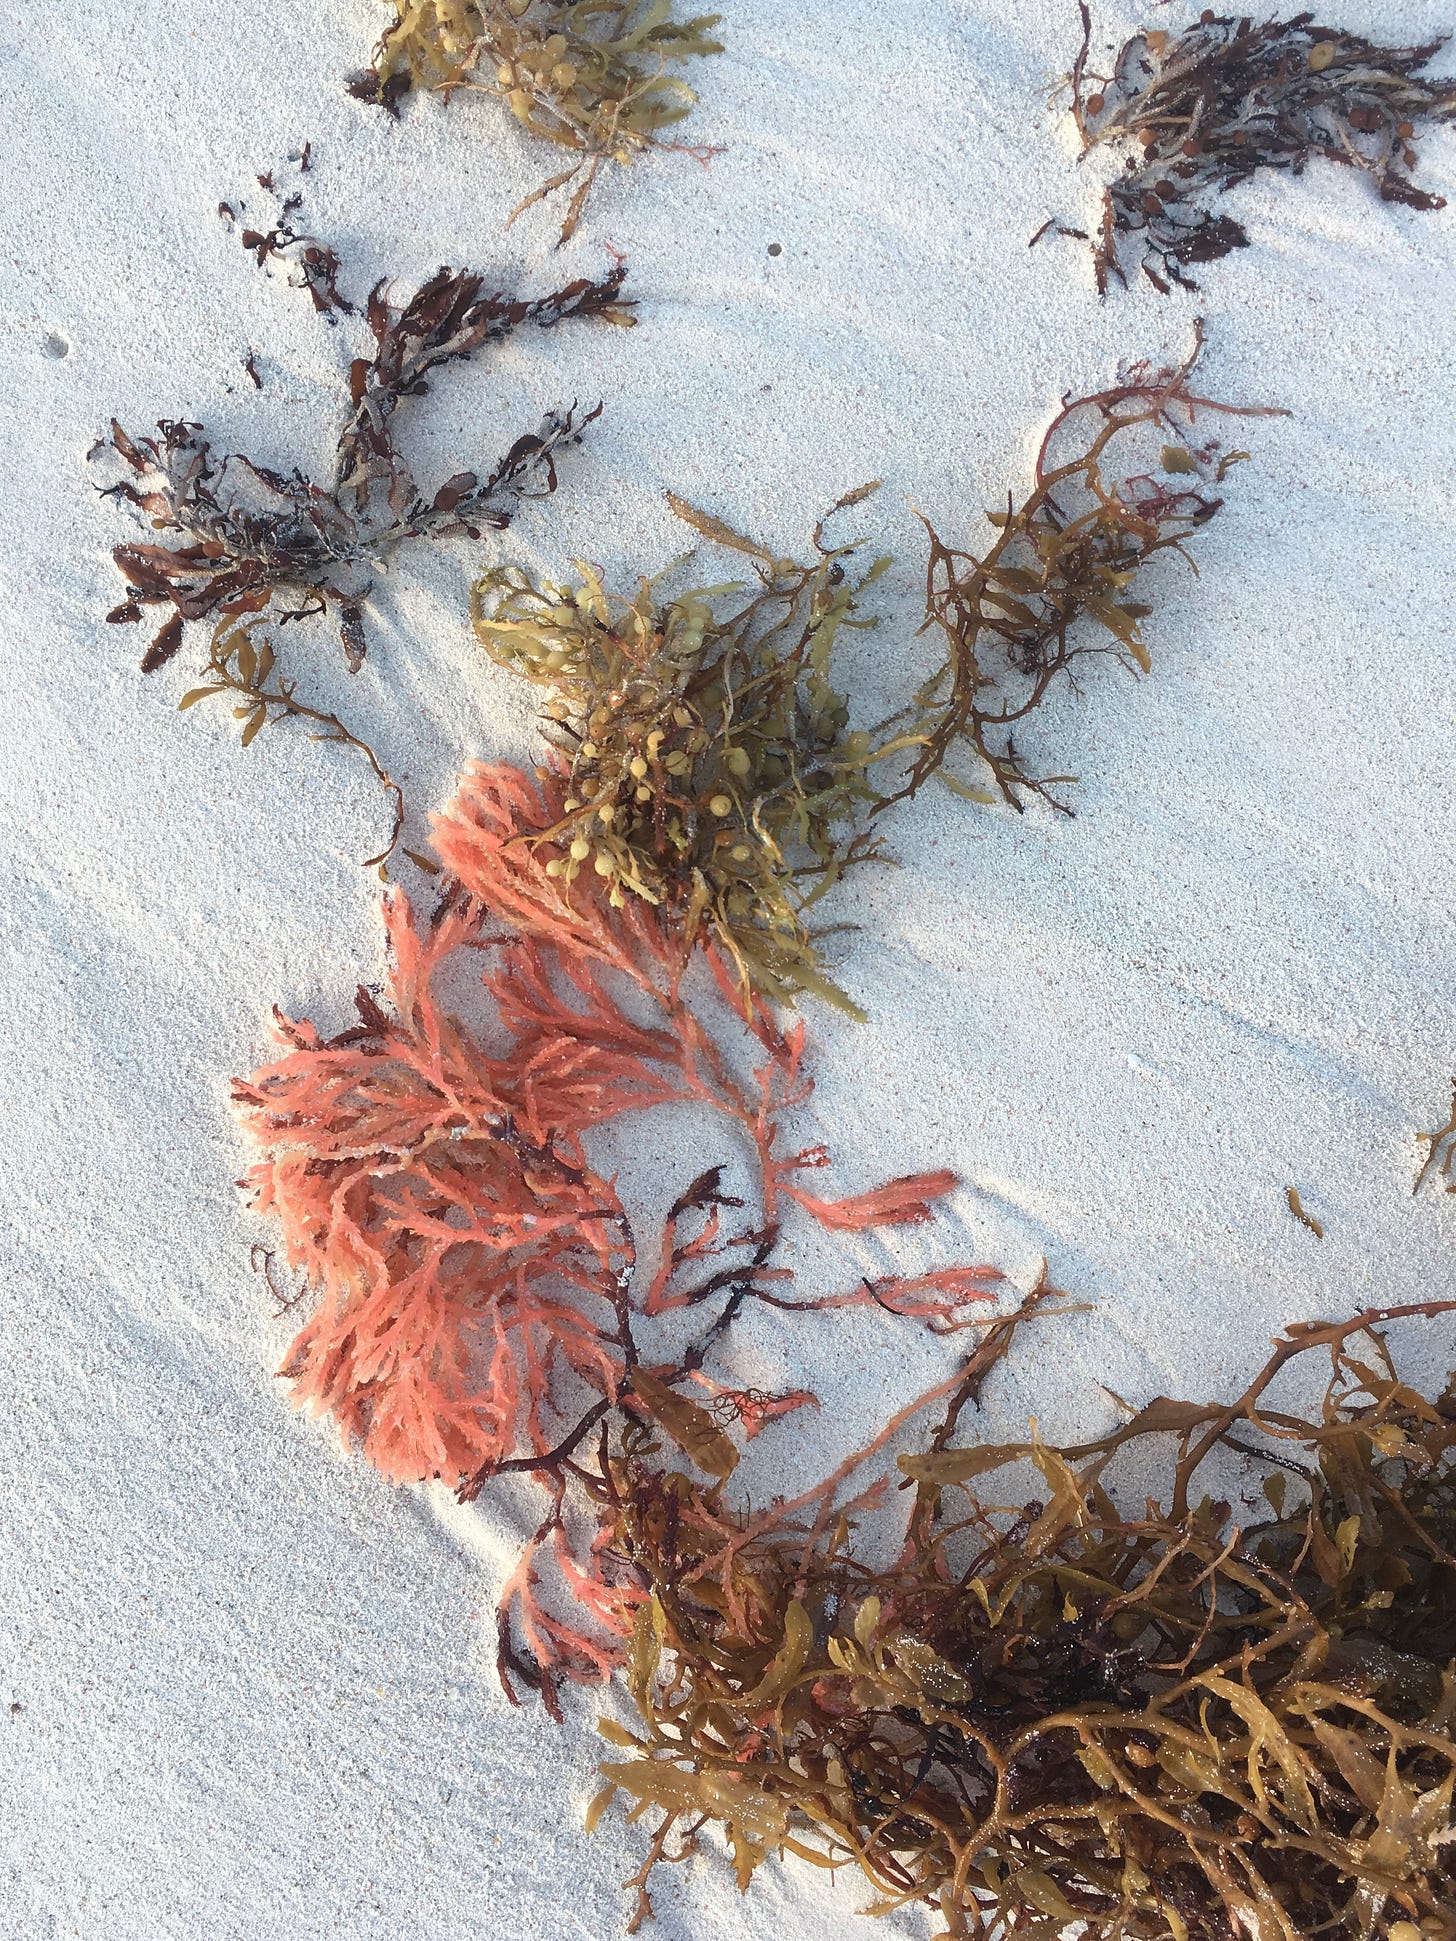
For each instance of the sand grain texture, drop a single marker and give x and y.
(252, 1681)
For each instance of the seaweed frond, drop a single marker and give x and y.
(1207, 109)
(245, 536)
(709, 768)
(1440, 1160)
(587, 75)
(249, 532)
(1302, 1213)
(1060, 581)
(1164, 1722)
(241, 663)
(480, 1306)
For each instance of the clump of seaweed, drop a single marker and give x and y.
(1164, 1722)
(247, 537)
(1016, 619)
(250, 533)
(587, 75)
(480, 1303)
(709, 768)
(1205, 110)
(710, 765)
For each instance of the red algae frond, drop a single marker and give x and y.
(479, 1303)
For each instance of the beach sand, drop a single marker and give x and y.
(245, 1686)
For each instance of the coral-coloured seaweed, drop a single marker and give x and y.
(443, 1236)
(480, 1299)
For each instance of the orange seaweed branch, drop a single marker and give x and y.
(480, 1302)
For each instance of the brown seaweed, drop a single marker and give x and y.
(1440, 1160)
(710, 767)
(586, 75)
(1206, 110)
(1059, 584)
(250, 532)
(241, 663)
(1163, 1721)
(245, 537)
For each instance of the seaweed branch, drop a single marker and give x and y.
(249, 532)
(1440, 1159)
(1016, 619)
(246, 535)
(590, 78)
(240, 664)
(1205, 110)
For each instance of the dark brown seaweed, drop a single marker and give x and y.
(243, 536)
(1167, 1721)
(1203, 111)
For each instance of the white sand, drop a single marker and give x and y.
(252, 1681)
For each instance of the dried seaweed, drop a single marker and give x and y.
(1056, 585)
(1302, 1213)
(1159, 1723)
(241, 663)
(1440, 1160)
(710, 768)
(250, 536)
(480, 1304)
(586, 75)
(250, 533)
(1205, 110)
(303, 261)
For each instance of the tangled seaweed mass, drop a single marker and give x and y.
(1180, 1722)
(1052, 1714)
(384, 1146)
(1042, 1713)
(1203, 111)
(713, 770)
